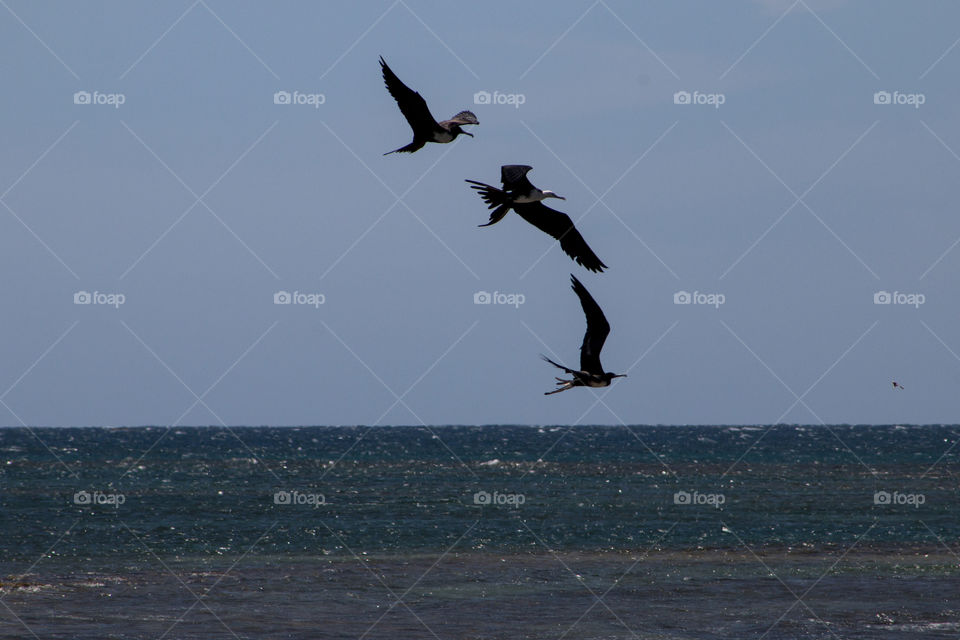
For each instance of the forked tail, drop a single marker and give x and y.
(495, 199)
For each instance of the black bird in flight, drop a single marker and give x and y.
(527, 200)
(591, 372)
(414, 108)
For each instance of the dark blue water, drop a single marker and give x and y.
(480, 532)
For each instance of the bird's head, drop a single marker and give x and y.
(550, 194)
(456, 130)
(611, 376)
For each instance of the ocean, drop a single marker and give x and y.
(485, 532)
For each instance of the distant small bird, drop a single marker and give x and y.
(591, 373)
(527, 200)
(414, 108)
(897, 385)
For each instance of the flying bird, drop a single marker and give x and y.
(527, 200)
(897, 385)
(591, 372)
(414, 108)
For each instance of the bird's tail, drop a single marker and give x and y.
(562, 385)
(410, 148)
(495, 199)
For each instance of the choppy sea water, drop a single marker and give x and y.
(480, 532)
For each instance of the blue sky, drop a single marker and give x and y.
(798, 199)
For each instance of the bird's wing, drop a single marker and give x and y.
(514, 177)
(464, 117)
(597, 329)
(560, 226)
(412, 105)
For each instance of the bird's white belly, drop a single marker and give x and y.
(443, 137)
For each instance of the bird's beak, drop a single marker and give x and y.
(619, 375)
(467, 133)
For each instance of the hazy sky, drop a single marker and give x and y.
(794, 190)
